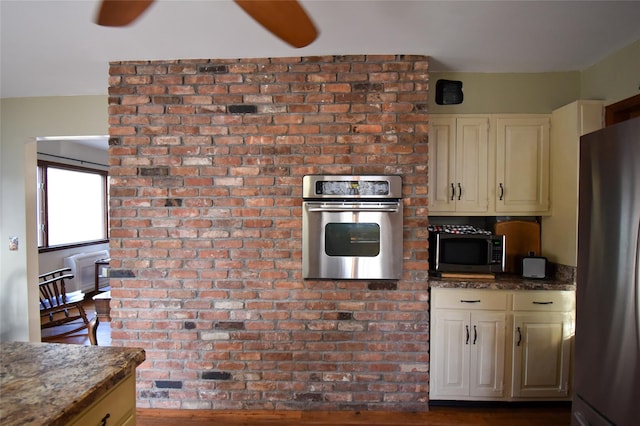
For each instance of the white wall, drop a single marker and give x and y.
(614, 79)
(52, 260)
(23, 120)
(83, 155)
(516, 93)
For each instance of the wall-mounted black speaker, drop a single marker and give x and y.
(448, 92)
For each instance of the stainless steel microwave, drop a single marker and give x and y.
(471, 253)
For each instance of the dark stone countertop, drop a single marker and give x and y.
(502, 282)
(50, 383)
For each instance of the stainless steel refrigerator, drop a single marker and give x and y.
(607, 339)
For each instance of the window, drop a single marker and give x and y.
(72, 205)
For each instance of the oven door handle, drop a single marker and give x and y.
(353, 207)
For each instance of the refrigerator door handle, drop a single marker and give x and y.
(636, 286)
(580, 419)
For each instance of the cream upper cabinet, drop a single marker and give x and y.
(442, 163)
(459, 164)
(560, 229)
(522, 164)
(482, 165)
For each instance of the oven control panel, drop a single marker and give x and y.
(341, 186)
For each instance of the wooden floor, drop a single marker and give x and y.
(437, 416)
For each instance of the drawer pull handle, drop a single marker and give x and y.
(475, 334)
(459, 191)
(501, 191)
(453, 192)
(543, 303)
(470, 301)
(103, 422)
(519, 337)
(467, 342)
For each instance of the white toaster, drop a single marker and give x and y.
(534, 267)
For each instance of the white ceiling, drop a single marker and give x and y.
(53, 48)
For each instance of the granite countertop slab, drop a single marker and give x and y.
(502, 282)
(50, 383)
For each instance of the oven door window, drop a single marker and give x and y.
(352, 239)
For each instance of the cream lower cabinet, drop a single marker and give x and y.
(116, 408)
(500, 345)
(542, 337)
(468, 341)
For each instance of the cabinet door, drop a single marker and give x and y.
(442, 164)
(522, 165)
(459, 164)
(541, 354)
(116, 407)
(487, 344)
(450, 354)
(472, 165)
(468, 354)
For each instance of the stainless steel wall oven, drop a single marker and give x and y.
(352, 227)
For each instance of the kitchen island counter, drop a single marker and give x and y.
(51, 384)
(501, 282)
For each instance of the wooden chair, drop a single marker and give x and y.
(54, 274)
(61, 309)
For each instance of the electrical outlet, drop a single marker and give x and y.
(13, 243)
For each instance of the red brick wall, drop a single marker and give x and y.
(207, 159)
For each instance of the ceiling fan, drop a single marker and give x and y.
(286, 19)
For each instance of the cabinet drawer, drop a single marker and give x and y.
(469, 299)
(552, 301)
(119, 404)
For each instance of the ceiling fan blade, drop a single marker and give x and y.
(284, 18)
(118, 13)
